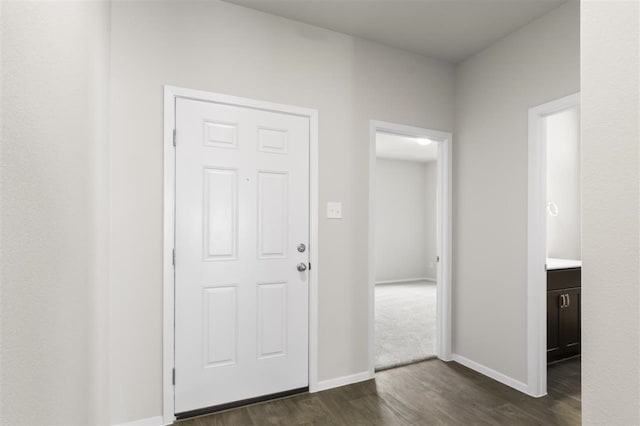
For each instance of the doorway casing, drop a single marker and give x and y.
(537, 243)
(168, 332)
(443, 233)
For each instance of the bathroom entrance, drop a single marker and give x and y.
(554, 241)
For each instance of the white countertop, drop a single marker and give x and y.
(553, 263)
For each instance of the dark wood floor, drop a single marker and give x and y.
(428, 393)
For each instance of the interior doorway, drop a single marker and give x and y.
(554, 240)
(409, 245)
(406, 274)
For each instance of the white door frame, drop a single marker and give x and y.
(537, 244)
(168, 278)
(443, 233)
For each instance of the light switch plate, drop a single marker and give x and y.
(334, 210)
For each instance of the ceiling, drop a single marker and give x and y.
(451, 30)
(399, 147)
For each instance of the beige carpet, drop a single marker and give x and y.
(405, 323)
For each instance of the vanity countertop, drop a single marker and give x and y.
(553, 263)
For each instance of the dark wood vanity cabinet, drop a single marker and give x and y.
(563, 313)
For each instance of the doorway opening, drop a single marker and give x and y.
(554, 263)
(409, 245)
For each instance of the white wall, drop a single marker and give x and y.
(494, 90)
(610, 36)
(54, 134)
(405, 220)
(224, 48)
(563, 184)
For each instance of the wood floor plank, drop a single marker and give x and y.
(236, 417)
(427, 393)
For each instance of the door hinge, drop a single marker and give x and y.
(174, 137)
(173, 377)
(438, 259)
(173, 257)
(309, 265)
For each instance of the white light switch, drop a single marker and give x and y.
(334, 210)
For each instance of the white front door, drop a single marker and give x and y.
(242, 213)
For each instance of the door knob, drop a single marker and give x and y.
(302, 267)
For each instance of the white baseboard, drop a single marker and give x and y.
(151, 421)
(343, 381)
(506, 380)
(406, 280)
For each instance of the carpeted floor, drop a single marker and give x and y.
(405, 323)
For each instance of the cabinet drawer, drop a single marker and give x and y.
(558, 279)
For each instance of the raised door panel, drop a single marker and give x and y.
(220, 326)
(553, 312)
(220, 214)
(275, 141)
(570, 317)
(553, 324)
(273, 221)
(272, 320)
(220, 135)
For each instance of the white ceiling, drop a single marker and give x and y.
(399, 147)
(451, 30)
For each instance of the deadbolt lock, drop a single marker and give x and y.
(301, 248)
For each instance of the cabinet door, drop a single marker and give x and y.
(563, 323)
(570, 320)
(554, 301)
